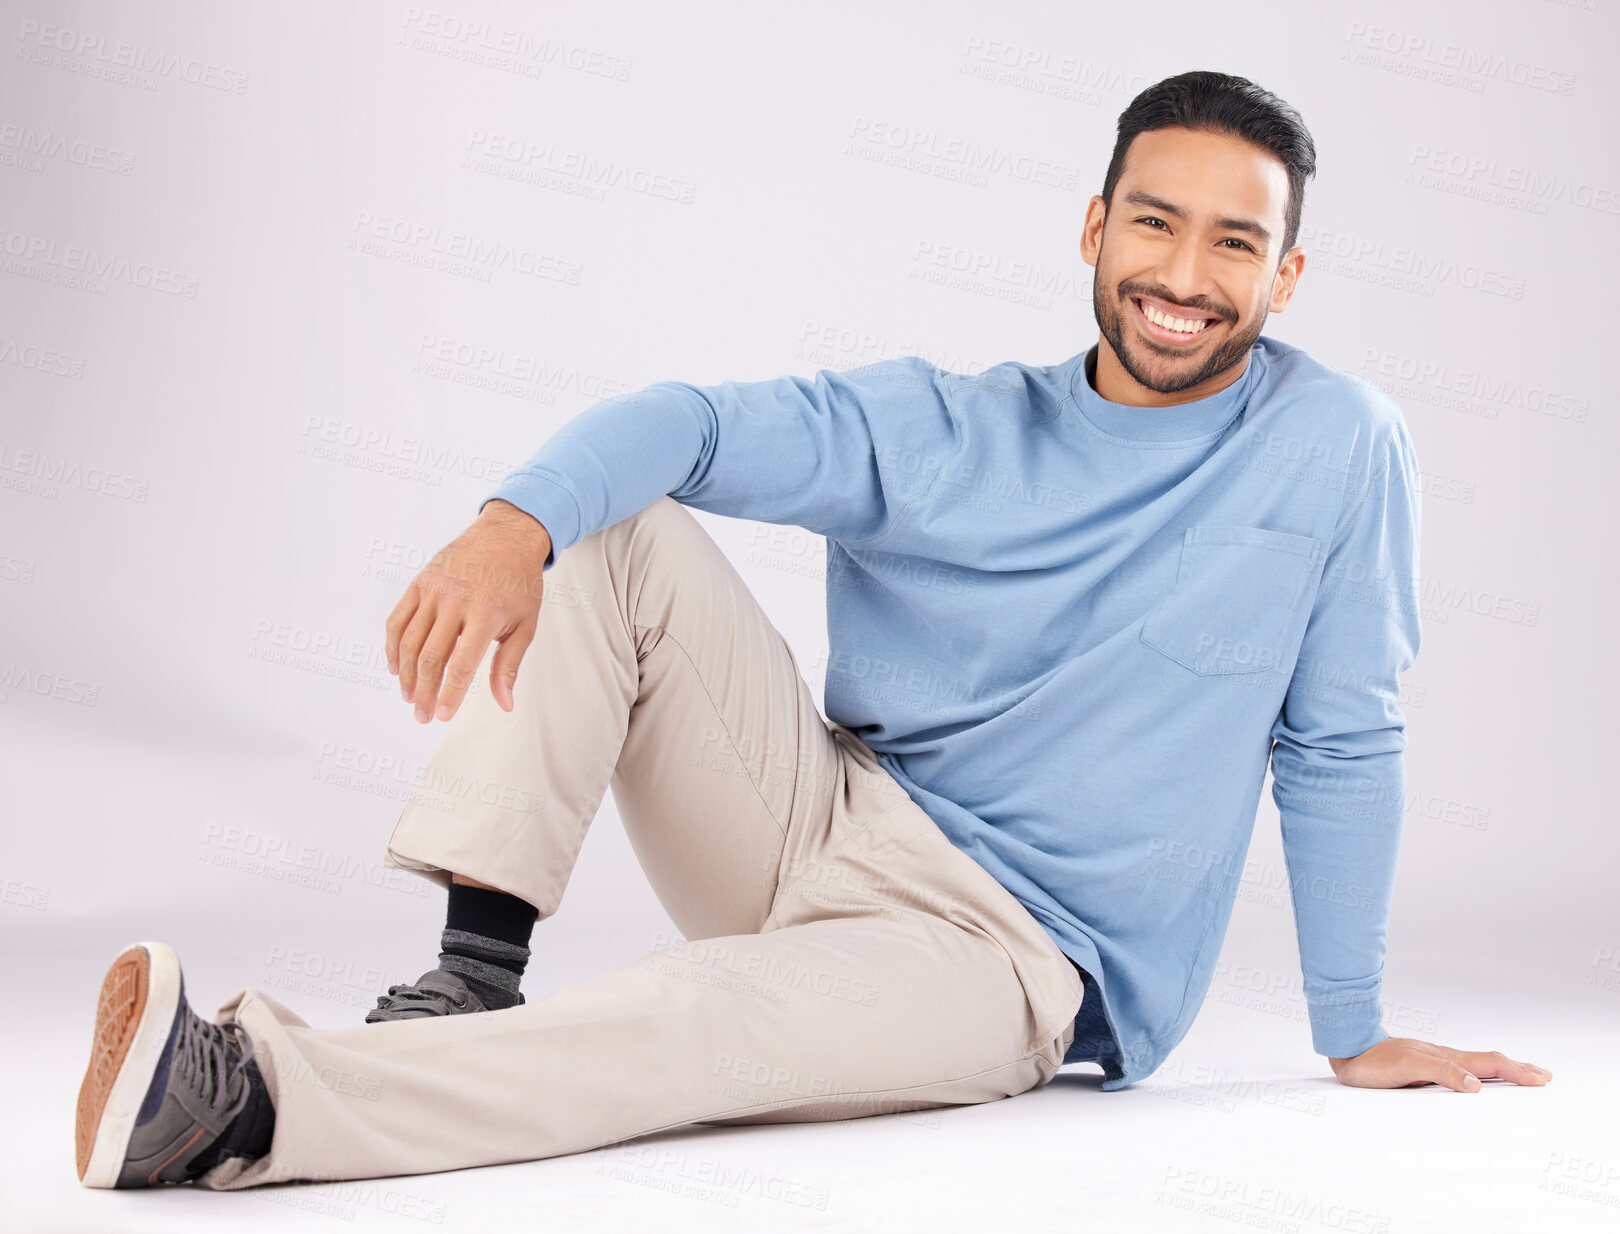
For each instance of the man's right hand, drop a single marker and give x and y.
(484, 585)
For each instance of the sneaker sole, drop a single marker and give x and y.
(136, 1009)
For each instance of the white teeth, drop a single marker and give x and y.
(1180, 325)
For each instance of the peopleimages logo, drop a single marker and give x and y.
(869, 134)
(372, 233)
(44, 475)
(311, 865)
(1485, 174)
(1491, 390)
(25, 680)
(32, 145)
(78, 259)
(1404, 267)
(1427, 55)
(379, 449)
(39, 359)
(520, 158)
(97, 51)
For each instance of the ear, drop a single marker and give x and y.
(1091, 231)
(1288, 272)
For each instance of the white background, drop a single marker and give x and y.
(222, 460)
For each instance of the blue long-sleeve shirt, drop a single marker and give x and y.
(1076, 630)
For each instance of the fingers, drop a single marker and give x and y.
(1404, 1062)
(443, 624)
(1533, 1074)
(1493, 1064)
(1401, 1062)
(417, 628)
(396, 623)
(1420, 1062)
(431, 664)
(1456, 1076)
(462, 668)
(503, 667)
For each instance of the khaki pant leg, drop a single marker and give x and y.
(655, 671)
(844, 958)
(894, 975)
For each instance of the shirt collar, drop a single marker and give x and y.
(1180, 424)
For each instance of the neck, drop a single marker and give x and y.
(1109, 379)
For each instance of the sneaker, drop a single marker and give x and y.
(167, 1095)
(434, 993)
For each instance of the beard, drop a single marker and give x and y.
(1162, 371)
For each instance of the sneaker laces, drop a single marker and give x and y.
(207, 1059)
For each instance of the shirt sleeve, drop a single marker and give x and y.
(1338, 762)
(809, 451)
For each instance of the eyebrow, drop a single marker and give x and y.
(1158, 203)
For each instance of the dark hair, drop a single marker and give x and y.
(1232, 106)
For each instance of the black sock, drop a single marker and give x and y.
(246, 1135)
(486, 942)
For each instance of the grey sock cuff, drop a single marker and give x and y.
(484, 946)
(492, 975)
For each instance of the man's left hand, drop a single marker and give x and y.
(1404, 1062)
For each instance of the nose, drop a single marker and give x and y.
(1181, 272)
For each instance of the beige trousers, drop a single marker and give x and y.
(844, 958)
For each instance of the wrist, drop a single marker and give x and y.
(517, 521)
(499, 510)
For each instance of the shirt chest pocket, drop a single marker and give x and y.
(1239, 601)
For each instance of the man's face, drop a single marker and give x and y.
(1193, 234)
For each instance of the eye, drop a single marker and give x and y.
(1149, 219)
(1241, 243)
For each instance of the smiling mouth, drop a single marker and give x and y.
(1165, 329)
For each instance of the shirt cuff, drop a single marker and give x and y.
(1344, 1028)
(546, 498)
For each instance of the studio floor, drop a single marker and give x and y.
(1243, 1128)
